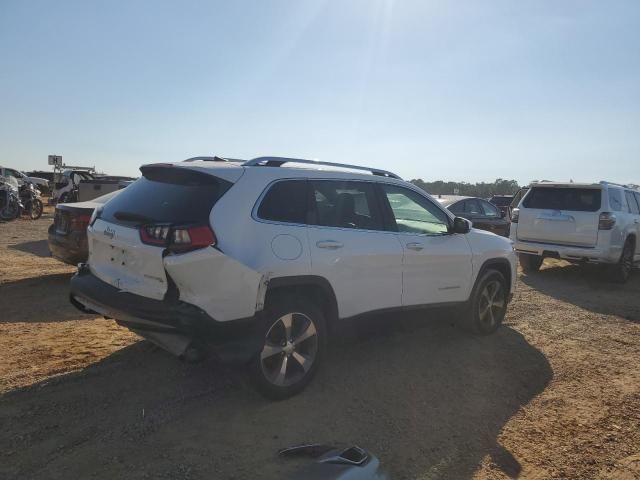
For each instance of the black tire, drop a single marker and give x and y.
(488, 304)
(621, 271)
(306, 342)
(10, 212)
(36, 209)
(530, 263)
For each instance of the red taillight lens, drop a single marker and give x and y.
(155, 234)
(79, 223)
(515, 215)
(185, 239)
(606, 221)
(178, 239)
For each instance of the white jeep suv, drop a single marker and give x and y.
(597, 223)
(257, 261)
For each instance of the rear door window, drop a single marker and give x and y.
(559, 198)
(633, 204)
(286, 201)
(345, 204)
(166, 195)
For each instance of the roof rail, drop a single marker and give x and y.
(212, 159)
(279, 161)
(629, 186)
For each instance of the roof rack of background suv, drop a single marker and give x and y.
(630, 187)
(279, 161)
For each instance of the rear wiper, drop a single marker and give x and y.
(133, 217)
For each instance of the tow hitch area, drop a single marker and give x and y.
(331, 462)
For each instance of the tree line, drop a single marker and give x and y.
(480, 189)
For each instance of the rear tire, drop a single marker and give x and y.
(621, 271)
(294, 344)
(530, 263)
(488, 304)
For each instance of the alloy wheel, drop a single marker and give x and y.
(491, 304)
(290, 349)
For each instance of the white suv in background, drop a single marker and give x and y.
(598, 223)
(257, 260)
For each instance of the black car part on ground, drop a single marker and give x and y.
(334, 463)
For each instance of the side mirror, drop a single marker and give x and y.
(461, 225)
(503, 213)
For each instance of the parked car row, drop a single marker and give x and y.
(256, 263)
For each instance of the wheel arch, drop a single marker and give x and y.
(632, 236)
(315, 288)
(502, 265)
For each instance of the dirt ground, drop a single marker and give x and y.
(554, 394)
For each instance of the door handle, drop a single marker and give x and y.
(415, 246)
(329, 244)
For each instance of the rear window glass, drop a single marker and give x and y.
(166, 195)
(615, 200)
(489, 209)
(633, 205)
(285, 201)
(571, 199)
(501, 201)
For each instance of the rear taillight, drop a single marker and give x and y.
(155, 234)
(79, 223)
(515, 215)
(178, 239)
(606, 221)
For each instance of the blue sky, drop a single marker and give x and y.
(453, 90)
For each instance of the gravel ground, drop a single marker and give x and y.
(554, 394)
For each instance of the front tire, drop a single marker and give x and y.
(488, 305)
(293, 347)
(530, 263)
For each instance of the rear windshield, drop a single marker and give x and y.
(166, 195)
(572, 199)
(501, 201)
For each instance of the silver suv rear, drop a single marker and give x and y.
(598, 223)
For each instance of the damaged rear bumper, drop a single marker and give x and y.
(174, 325)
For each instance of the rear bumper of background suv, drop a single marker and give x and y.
(595, 254)
(174, 325)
